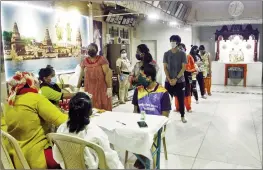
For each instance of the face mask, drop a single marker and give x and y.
(53, 80)
(92, 53)
(142, 81)
(138, 56)
(173, 44)
(124, 56)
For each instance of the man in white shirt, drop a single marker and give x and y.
(123, 70)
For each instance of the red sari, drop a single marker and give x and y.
(94, 82)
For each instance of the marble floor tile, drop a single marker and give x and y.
(207, 164)
(234, 143)
(176, 162)
(224, 131)
(233, 110)
(185, 139)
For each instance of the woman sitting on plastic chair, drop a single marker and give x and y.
(80, 110)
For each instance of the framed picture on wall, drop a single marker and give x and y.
(97, 35)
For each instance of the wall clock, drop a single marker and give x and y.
(236, 8)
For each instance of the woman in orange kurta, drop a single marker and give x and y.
(97, 79)
(189, 69)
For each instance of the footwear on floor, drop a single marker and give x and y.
(209, 94)
(190, 111)
(122, 103)
(197, 102)
(204, 97)
(183, 120)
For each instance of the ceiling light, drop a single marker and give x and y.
(173, 23)
(153, 16)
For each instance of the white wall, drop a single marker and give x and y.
(154, 30)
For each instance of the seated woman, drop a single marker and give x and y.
(80, 110)
(49, 88)
(27, 116)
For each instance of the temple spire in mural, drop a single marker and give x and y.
(17, 45)
(78, 39)
(47, 40)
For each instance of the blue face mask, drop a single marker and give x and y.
(53, 80)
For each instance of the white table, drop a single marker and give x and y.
(123, 131)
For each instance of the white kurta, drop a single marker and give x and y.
(94, 134)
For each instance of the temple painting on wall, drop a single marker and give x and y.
(237, 49)
(34, 38)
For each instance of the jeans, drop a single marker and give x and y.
(194, 90)
(177, 90)
(200, 79)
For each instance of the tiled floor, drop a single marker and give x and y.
(223, 132)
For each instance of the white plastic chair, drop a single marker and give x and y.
(72, 150)
(6, 160)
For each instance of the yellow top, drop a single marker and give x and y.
(51, 94)
(28, 121)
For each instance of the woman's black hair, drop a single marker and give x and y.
(183, 45)
(202, 47)
(149, 70)
(94, 45)
(80, 110)
(122, 50)
(147, 58)
(45, 72)
(193, 53)
(143, 48)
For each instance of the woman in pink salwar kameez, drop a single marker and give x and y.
(97, 79)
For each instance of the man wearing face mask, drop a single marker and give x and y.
(123, 70)
(174, 62)
(150, 97)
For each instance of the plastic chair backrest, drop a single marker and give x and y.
(3, 108)
(72, 148)
(12, 144)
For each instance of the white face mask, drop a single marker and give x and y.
(124, 55)
(173, 44)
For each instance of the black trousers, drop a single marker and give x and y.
(188, 82)
(200, 79)
(194, 90)
(179, 91)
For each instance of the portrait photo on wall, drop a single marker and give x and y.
(34, 38)
(97, 35)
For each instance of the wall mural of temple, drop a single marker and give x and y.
(34, 38)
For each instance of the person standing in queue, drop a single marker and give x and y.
(144, 57)
(97, 78)
(123, 70)
(190, 68)
(206, 58)
(174, 62)
(199, 76)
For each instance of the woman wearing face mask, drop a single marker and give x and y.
(189, 69)
(199, 76)
(49, 88)
(97, 78)
(123, 71)
(144, 57)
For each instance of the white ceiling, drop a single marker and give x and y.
(216, 12)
